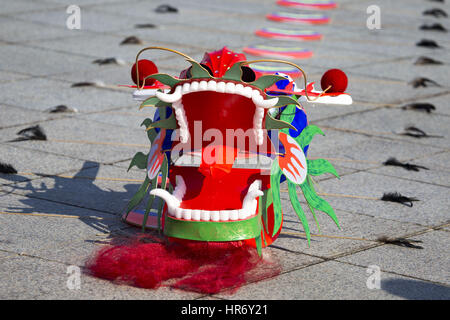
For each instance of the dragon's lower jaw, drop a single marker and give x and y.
(176, 205)
(200, 197)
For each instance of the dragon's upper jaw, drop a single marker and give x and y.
(216, 103)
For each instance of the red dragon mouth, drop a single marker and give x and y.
(199, 193)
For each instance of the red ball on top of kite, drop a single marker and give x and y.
(145, 68)
(335, 79)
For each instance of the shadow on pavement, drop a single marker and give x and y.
(38, 198)
(415, 289)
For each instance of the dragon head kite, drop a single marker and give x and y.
(243, 133)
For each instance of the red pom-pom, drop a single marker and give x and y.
(146, 68)
(335, 78)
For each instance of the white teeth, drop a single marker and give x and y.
(194, 86)
(186, 88)
(196, 215)
(256, 97)
(269, 103)
(230, 87)
(170, 200)
(187, 214)
(221, 87)
(250, 203)
(248, 92)
(180, 189)
(212, 85)
(215, 215)
(203, 86)
(204, 215)
(180, 115)
(259, 113)
(178, 213)
(256, 185)
(257, 125)
(224, 215)
(259, 137)
(234, 215)
(239, 89)
(168, 97)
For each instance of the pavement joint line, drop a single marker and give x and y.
(392, 137)
(406, 100)
(59, 202)
(410, 179)
(327, 236)
(369, 171)
(44, 176)
(362, 132)
(32, 123)
(398, 274)
(118, 144)
(376, 107)
(54, 215)
(345, 114)
(389, 60)
(64, 155)
(34, 46)
(382, 218)
(426, 96)
(54, 117)
(32, 256)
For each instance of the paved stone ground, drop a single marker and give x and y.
(41, 58)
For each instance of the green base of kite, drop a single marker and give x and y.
(213, 231)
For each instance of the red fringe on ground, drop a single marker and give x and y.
(205, 267)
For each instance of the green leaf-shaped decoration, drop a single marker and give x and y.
(285, 100)
(151, 132)
(154, 102)
(165, 79)
(288, 115)
(305, 137)
(234, 73)
(317, 202)
(150, 201)
(197, 71)
(274, 124)
(266, 81)
(139, 195)
(139, 160)
(320, 166)
(275, 176)
(262, 211)
(314, 215)
(164, 173)
(258, 245)
(298, 209)
(169, 123)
